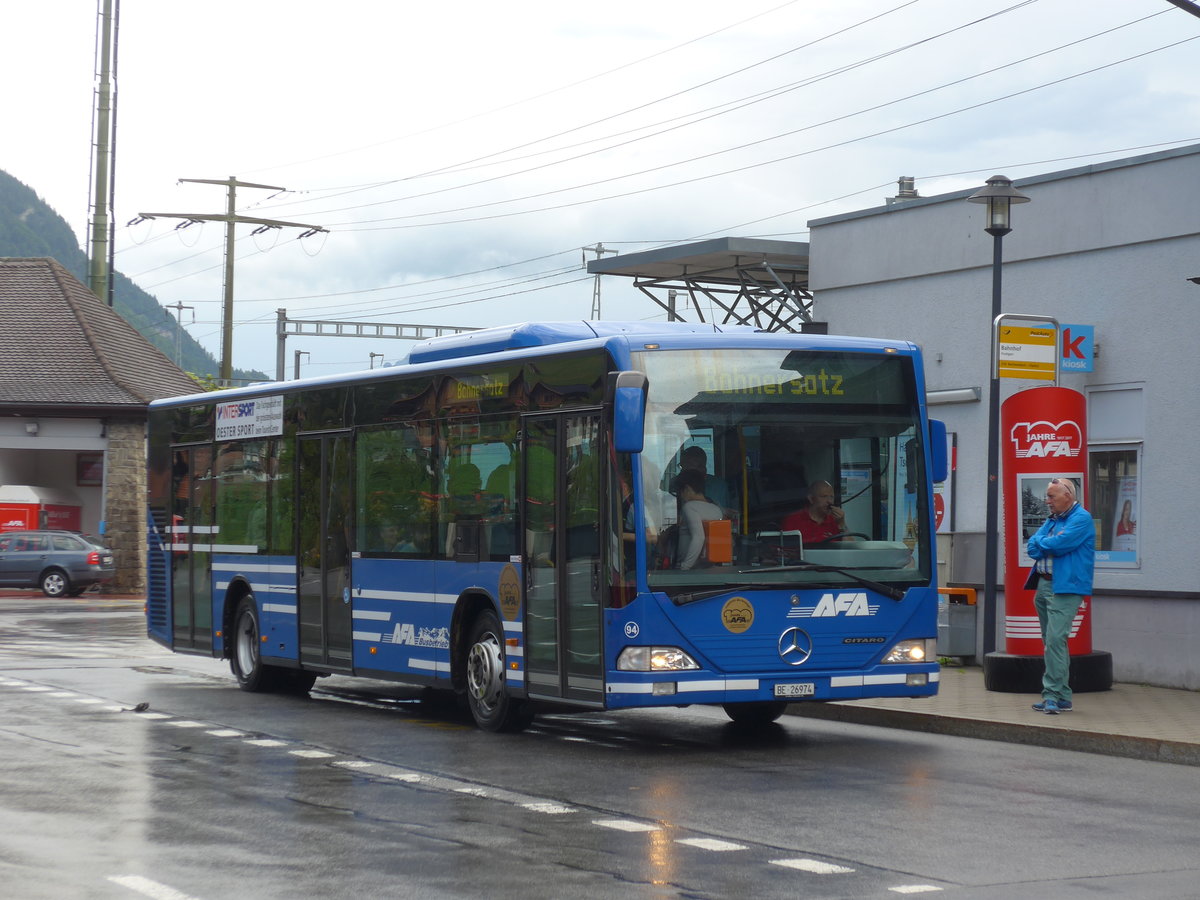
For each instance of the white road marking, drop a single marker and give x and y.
(625, 825)
(914, 889)
(266, 742)
(309, 754)
(148, 888)
(711, 844)
(812, 865)
(548, 807)
(225, 732)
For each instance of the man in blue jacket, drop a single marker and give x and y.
(1064, 557)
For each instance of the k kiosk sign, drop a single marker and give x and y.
(1044, 435)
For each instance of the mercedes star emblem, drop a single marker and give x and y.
(795, 646)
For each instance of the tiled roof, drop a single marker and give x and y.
(61, 345)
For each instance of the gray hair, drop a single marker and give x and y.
(1066, 484)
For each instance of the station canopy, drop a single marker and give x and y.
(740, 281)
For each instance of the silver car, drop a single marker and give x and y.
(61, 563)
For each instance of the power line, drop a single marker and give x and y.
(548, 93)
(745, 168)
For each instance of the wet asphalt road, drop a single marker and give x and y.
(367, 789)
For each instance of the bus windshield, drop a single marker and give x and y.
(782, 467)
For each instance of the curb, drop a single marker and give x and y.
(1127, 746)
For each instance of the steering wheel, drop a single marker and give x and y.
(838, 537)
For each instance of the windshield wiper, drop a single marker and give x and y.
(887, 590)
(692, 596)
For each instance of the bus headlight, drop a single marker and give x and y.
(654, 659)
(915, 651)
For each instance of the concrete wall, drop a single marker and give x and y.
(1110, 246)
(125, 503)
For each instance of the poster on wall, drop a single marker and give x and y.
(89, 469)
(1032, 490)
(1124, 541)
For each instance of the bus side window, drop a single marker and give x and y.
(395, 484)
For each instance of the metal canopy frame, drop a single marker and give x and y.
(744, 281)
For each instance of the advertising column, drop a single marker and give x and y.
(1043, 435)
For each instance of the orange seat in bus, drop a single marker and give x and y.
(718, 541)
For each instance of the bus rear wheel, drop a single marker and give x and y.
(246, 659)
(491, 706)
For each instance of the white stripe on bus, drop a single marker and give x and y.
(431, 665)
(372, 614)
(213, 548)
(646, 687)
(408, 596)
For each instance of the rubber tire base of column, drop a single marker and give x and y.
(1011, 674)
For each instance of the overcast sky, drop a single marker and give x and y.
(462, 155)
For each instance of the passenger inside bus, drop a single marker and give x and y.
(695, 508)
(392, 540)
(694, 459)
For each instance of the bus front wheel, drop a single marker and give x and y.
(755, 714)
(491, 706)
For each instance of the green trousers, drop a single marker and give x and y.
(1055, 613)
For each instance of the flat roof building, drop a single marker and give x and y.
(1114, 246)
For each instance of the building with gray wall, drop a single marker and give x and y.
(1112, 246)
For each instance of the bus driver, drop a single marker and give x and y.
(820, 520)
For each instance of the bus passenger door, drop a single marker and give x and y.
(192, 538)
(562, 558)
(324, 494)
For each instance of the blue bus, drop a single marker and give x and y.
(514, 515)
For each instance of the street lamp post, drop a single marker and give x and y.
(999, 195)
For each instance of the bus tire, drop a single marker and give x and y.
(246, 659)
(296, 681)
(755, 714)
(491, 706)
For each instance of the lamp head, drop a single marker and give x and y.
(999, 194)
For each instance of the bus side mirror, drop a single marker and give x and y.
(938, 462)
(628, 393)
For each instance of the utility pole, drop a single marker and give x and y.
(179, 307)
(231, 218)
(599, 251)
(103, 162)
(296, 366)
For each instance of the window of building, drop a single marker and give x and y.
(1113, 502)
(1116, 429)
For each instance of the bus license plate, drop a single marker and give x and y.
(803, 689)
